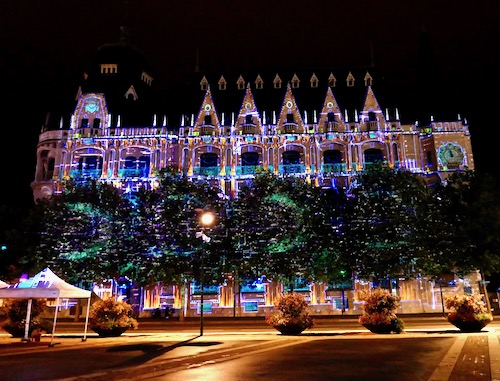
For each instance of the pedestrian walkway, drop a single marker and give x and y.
(472, 356)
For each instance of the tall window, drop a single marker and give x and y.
(373, 155)
(291, 157)
(250, 158)
(332, 157)
(208, 160)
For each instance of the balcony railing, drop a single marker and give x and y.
(372, 125)
(333, 168)
(290, 128)
(85, 173)
(133, 172)
(332, 127)
(206, 171)
(250, 129)
(292, 168)
(207, 130)
(248, 169)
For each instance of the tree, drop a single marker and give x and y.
(83, 233)
(13, 240)
(381, 223)
(168, 223)
(272, 228)
(470, 211)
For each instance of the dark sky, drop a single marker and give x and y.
(45, 45)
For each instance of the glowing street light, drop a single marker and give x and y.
(206, 219)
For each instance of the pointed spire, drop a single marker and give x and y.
(372, 55)
(397, 114)
(118, 122)
(197, 63)
(124, 29)
(61, 123)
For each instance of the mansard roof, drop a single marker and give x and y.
(268, 97)
(115, 70)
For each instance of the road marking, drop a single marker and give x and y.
(445, 367)
(494, 346)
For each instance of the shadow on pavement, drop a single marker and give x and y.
(151, 351)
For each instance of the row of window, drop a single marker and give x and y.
(113, 69)
(277, 82)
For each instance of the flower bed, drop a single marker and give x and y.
(15, 312)
(292, 317)
(379, 312)
(468, 312)
(111, 318)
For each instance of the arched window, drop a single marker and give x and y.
(89, 163)
(291, 157)
(332, 157)
(50, 168)
(395, 154)
(373, 155)
(90, 166)
(130, 162)
(209, 160)
(143, 165)
(250, 158)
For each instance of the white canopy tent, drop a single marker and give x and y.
(3, 284)
(46, 285)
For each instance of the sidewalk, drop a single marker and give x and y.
(471, 353)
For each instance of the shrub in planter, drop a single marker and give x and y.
(291, 317)
(14, 311)
(379, 312)
(467, 312)
(111, 318)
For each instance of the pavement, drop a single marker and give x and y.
(471, 353)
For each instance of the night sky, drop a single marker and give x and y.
(45, 46)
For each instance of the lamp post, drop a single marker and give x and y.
(206, 220)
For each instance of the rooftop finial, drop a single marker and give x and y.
(124, 29)
(197, 65)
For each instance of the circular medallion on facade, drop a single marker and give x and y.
(91, 105)
(329, 104)
(208, 107)
(451, 155)
(289, 104)
(248, 106)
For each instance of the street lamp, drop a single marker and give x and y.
(206, 220)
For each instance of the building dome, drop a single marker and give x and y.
(122, 73)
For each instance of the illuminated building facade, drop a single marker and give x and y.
(322, 125)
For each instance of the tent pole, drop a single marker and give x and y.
(86, 320)
(54, 324)
(28, 318)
